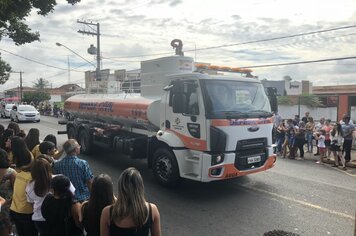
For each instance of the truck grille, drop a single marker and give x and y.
(250, 148)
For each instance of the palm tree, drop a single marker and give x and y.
(41, 84)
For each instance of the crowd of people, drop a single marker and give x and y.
(293, 136)
(46, 191)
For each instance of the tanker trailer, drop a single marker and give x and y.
(187, 124)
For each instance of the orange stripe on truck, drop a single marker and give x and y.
(133, 108)
(241, 122)
(192, 143)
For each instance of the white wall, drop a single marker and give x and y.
(55, 98)
(287, 111)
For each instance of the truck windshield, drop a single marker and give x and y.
(235, 99)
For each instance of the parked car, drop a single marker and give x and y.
(5, 110)
(24, 113)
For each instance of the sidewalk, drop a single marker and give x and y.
(310, 156)
(351, 164)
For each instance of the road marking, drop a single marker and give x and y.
(307, 204)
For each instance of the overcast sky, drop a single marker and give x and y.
(132, 28)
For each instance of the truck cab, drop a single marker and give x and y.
(219, 126)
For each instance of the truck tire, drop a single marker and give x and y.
(85, 141)
(165, 168)
(71, 133)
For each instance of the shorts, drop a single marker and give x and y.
(334, 147)
(322, 149)
(327, 143)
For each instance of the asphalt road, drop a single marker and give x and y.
(297, 196)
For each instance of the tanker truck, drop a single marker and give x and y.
(188, 124)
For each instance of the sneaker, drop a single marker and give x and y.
(318, 162)
(334, 165)
(344, 168)
(299, 158)
(317, 154)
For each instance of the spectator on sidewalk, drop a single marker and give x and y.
(77, 170)
(32, 139)
(317, 129)
(131, 214)
(20, 210)
(101, 195)
(60, 210)
(348, 130)
(15, 127)
(309, 129)
(305, 118)
(280, 137)
(337, 141)
(300, 139)
(289, 127)
(321, 145)
(327, 127)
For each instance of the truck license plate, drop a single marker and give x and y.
(253, 159)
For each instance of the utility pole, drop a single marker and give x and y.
(20, 72)
(97, 34)
(68, 70)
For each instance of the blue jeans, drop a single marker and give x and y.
(280, 141)
(310, 141)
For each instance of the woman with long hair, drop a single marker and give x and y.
(38, 188)
(32, 139)
(21, 210)
(14, 126)
(131, 214)
(7, 180)
(59, 209)
(101, 195)
(337, 141)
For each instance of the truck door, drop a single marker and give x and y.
(185, 116)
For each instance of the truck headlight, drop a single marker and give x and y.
(217, 159)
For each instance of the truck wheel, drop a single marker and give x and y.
(85, 141)
(71, 133)
(165, 168)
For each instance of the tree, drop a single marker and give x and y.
(12, 23)
(4, 71)
(36, 97)
(41, 84)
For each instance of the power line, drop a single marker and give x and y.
(301, 62)
(34, 61)
(244, 43)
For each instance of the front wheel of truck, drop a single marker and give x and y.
(165, 167)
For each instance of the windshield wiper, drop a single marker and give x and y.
(262, 113)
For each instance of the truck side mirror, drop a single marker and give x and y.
(179, 103)
(272, 96)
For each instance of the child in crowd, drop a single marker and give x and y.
(321, 145)
(291, 142)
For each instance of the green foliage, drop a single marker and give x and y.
(41, 84)
(13, 15)
(310, 101)
(4, 71)
(36, 97)
(285, 100)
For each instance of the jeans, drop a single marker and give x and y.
(280, 141)
(310, 141)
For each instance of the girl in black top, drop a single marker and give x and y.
(59, 209)
(130, 215)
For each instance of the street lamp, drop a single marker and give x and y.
(59, 45)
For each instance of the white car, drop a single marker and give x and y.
(5, 110)
(24, 113)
